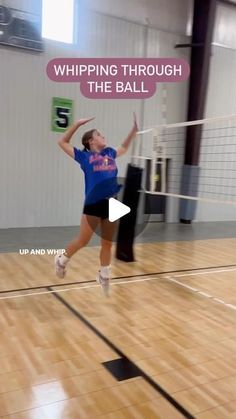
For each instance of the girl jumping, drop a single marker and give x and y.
(98, 163)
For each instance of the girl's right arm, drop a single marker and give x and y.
(64, 141)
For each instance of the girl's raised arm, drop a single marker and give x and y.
(126, 143)
(64, 141)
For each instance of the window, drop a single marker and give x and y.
(58, 20)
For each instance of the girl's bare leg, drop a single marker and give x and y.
(88, 225)
(107, 230)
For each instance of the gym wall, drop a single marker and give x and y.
(40, 185)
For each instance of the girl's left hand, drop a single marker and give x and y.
(84, 121)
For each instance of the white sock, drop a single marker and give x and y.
(63, 259)
(105, 271)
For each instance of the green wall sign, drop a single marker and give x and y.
(62, 114)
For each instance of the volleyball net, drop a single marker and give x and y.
(162, 153)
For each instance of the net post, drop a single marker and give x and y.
(154, 162)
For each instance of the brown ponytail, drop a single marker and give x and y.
(85, 139)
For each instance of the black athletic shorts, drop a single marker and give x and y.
(99, 209)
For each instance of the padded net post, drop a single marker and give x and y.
(126, 231)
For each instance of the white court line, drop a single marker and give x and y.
(170, 279)
(203, 294)
(9, 297)
(186, 286)
(205, 272)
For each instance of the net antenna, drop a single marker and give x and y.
(159, 158)
(216, 178)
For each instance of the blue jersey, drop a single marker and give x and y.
(100, 172)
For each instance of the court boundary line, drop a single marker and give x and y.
(95, 285)
(202, 273)
(202, 293)
(169, 278)
(79, 288)
(114, 278)
(121, 354)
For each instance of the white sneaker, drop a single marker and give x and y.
(105, 283)
(59, 268)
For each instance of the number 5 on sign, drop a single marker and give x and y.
(62, 114)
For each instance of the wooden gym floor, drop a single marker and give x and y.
(162, 346)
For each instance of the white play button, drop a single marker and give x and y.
(117, 210)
